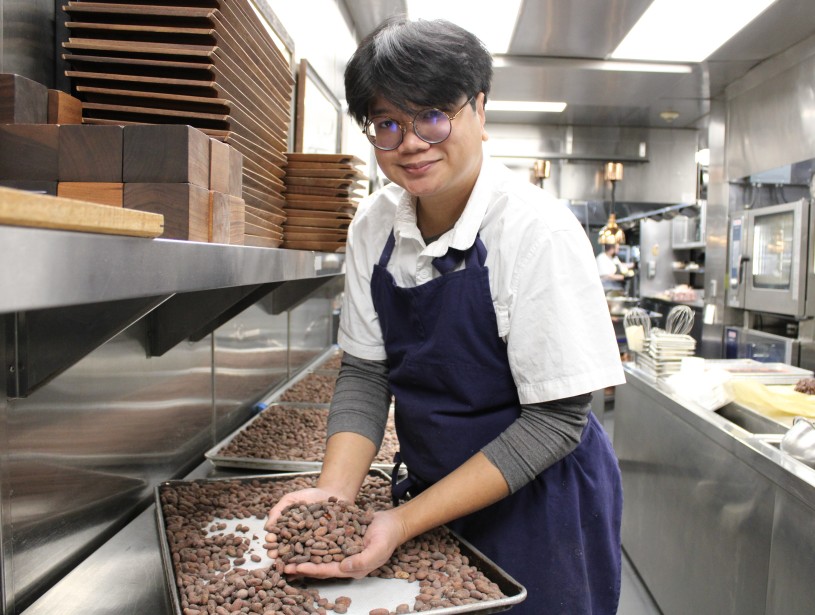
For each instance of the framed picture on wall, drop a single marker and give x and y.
(318, 114)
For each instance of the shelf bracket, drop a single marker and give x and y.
(294, 292)
(41, 344)
(195, 315)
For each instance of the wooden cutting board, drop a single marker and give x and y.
(323, 158)
(20, 208)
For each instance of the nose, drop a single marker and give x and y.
(411, 141)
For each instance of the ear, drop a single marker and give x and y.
(482, 116)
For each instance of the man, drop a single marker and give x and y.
(612, 271)
(480, 310)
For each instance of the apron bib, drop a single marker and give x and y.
(559, 535)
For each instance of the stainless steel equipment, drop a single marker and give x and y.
(716, 520)
(769, 264)
(799, 441)
(744, 343)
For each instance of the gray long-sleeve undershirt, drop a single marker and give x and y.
(543, 434)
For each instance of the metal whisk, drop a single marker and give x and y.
(679, 320)
(637, 324)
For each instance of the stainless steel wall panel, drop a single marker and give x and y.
(6, 583)
(27, 39)
(85, 451)
(716, 236)
(769, 114)
(696, 521)
(792, 559)
(655, 250)
(250, 358)
(661, 164)
(310, 328)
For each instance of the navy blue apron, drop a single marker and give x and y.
(559, 535)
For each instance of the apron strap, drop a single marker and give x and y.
(385, 257)
(476, 256)
(411, 483)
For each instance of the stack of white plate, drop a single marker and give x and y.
(662, 353)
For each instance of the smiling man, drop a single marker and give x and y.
(475, 301)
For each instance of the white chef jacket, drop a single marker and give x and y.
(549, 303)
(608, 265)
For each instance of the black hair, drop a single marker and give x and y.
(416, 64)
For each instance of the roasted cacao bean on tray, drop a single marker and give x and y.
(207, 561)
(295, 434)
(312, 389)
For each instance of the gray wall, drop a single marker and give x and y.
(27, 39)
(659, 164)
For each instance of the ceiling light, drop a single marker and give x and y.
(621, 66)
(670, 31)
(669, 115)
(525, 105)
(492, 22)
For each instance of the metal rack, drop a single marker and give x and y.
(81, 289)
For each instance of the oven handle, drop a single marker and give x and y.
(743, 259)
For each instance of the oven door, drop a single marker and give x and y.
(776, 268)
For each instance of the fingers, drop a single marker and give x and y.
(318, 571)
(355, 566)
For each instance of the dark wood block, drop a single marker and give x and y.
(103, 193)
(165, 154)
(29, 152)
(235, 172)
(218, 217)
(237, 218)
(185, 207)
(63, 108)
(89, 153)
(219, 168)
(49, 188)
(22, 100)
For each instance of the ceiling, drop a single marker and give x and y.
(559, 48)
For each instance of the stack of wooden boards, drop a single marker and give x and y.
(321, 199)
(211, 64)
(24, 101)
(193, 180)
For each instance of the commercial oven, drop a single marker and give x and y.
(770, 256)
(744, 343)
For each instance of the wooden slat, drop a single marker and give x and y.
(19, 208)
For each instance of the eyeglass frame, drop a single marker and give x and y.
(403, 128)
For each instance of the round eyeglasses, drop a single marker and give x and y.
(430, 125)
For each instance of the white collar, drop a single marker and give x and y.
(463, 233)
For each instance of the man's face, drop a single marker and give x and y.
(440, 170)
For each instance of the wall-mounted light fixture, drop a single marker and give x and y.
(611, 233)
(541, 169)
(669, 115)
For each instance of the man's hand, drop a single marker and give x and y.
(384, 534)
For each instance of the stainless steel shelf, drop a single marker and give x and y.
(47, 269)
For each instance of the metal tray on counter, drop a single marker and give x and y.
(368, 593)
(216, 457)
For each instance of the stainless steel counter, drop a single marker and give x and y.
(46, 268)
(717, 520)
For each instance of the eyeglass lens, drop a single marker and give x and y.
(430, 125)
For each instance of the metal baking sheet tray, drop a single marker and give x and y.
(366, 594)
(275, 465)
